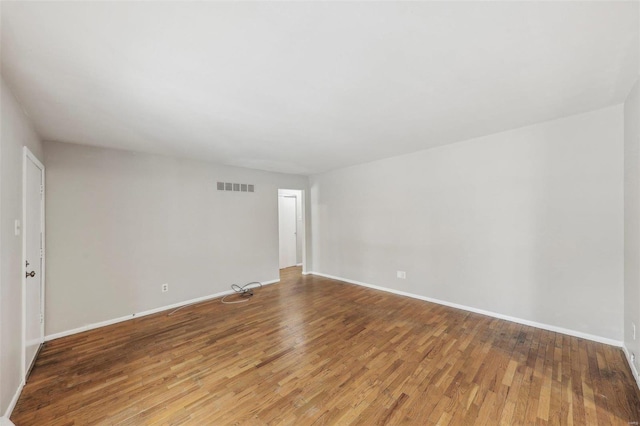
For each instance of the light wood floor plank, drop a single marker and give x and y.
(313, 351)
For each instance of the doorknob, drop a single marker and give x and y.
(31, 274)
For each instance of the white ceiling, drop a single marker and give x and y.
(305, 87)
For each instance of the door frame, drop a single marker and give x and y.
(302, 194)
(295, 222)
(29, 156)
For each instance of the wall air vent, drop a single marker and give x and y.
(235, 187)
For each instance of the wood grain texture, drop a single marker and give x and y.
(313, 351)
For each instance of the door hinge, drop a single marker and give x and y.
(41, 253)
(41, 318)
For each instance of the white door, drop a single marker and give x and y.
(287, 216)
(33, 241)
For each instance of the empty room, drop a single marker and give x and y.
(319, 213)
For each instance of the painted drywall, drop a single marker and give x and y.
(120, 224)
(307, 87)
(632, 222)
(526, 223)
(15, 132)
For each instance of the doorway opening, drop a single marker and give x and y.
(291, 229)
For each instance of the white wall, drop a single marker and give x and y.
(15, 132)
(120, 224)
(632, 223)
(526, 223)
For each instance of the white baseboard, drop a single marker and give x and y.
(4, 421)
(143, 313)
(634, 370)
(548, 327)
(12, 405)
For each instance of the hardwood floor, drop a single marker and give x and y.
(315, 351)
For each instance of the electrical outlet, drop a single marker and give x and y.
(402, 275)
(165, 288)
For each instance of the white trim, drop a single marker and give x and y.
(29, 156)
(12, 404)
(303, 212)
(4, 421)
(634, 370)
(144, 313)
(303, 204)
(548, 327)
